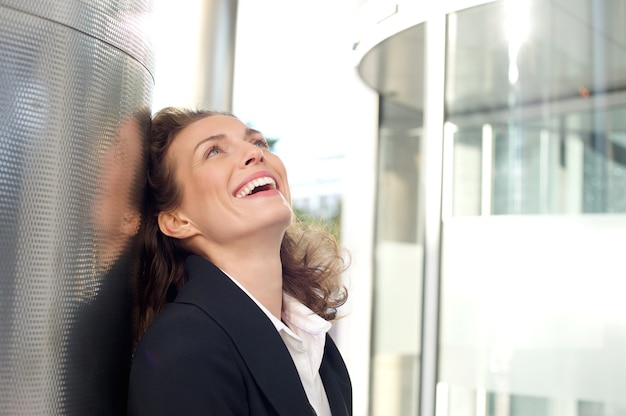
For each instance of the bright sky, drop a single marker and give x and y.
(294, 75)
(294, 72)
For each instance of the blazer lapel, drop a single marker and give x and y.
(253, 333)
(336, 380)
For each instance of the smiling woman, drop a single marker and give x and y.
(236, 297)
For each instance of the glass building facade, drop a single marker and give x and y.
(501, 207)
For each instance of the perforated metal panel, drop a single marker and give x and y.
(75, 87)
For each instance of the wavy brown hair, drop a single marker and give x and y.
(311, 258)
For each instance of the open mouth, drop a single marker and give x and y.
(257, 185)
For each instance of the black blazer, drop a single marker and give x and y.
(214, 352)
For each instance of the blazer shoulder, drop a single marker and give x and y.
(180, 325)
(186, 364)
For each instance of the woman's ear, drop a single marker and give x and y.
(174, 224)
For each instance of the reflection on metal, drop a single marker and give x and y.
(75, 84)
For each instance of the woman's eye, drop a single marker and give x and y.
(212, 152)
(261, 143)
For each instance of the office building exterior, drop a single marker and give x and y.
(500, 206)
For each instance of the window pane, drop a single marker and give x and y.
(543, 84)
(531, 320)
(396, 314)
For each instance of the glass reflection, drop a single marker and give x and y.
(557, 125)
(530, 324)
(398, 264)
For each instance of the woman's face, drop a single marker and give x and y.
(233, 186)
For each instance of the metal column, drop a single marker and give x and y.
(75, 88)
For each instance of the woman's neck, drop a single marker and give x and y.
(258, 269)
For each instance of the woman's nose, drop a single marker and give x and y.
(254, 154)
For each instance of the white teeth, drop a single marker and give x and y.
(246, 190)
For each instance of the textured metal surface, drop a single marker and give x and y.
(75, 87)
(120, 23)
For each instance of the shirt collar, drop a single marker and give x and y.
(297, 315)
(294, 314)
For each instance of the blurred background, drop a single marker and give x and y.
(476, 154)
(471, 155)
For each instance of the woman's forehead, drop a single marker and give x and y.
(218, 125)
(214, 123)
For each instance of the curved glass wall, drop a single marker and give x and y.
(396, 315)
(534, 202)
(533, 210)
(536, 99)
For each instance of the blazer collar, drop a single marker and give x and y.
(253, 333)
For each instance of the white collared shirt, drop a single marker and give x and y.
(304, 334)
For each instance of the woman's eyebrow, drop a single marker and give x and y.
(252, 132)
(215, 137)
